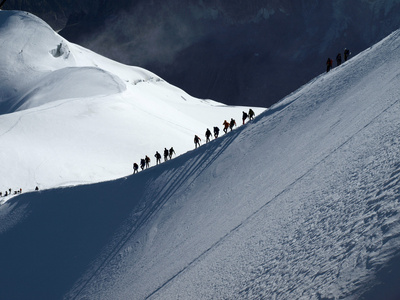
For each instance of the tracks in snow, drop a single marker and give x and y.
(258, 211)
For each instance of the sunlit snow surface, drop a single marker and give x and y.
(69, 116)
(302, 203)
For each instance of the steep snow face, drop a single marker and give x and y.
(301, 203)
(69, 116)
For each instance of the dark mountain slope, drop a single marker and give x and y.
(268, 47)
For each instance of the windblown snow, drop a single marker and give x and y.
(301, 203)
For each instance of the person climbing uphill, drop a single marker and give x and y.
(226, 126)
(171, 151)
(346, 54)
(158, 158)
(216, 131)
(338, 59)
(251, 114)
(208, 134)
(147, 160)
(196, 141)
(329, 64)
(232, 124)
(244, 117)
(165, 154)
(142, 163)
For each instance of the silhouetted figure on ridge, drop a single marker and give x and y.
(244, 116)
(226, 126)
(171, 152)
(165, 154)
(196, 141)
(135, 168)
(338, 59)
(232, 124)
(142, 163)
(251, 114)
(158, 158)
(329, 63)
(346, 54)
(208, 134)
(216, 131)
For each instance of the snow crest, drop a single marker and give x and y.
(70, 116)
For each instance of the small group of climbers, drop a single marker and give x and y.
(10, 192)
(145, 162)
(250, 115)
(329, 62)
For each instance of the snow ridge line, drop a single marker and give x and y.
(255, 213)
(168, 193)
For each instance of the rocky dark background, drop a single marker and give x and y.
(237, 52)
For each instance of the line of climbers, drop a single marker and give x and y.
(9, 192)
(16, 192)
(145, 162)
(329, 62)
(226, 125)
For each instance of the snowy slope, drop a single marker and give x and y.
(302, 203)
(69, 116)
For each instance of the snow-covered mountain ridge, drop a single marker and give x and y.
(239, 52)
(301, 203)
(69, 116)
